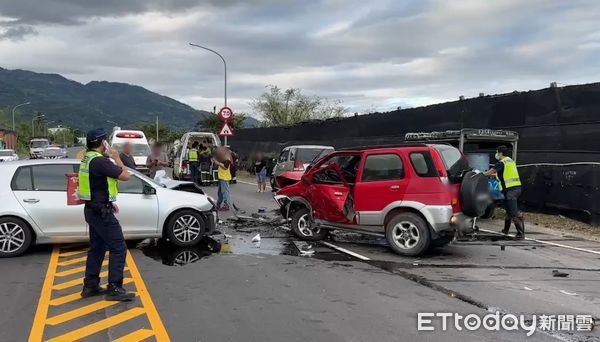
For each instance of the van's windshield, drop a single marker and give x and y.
(139, 150)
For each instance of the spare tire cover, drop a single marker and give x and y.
(474, 194)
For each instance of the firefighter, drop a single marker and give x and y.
(98, 177)
(510, 183)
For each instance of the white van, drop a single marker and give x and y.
(180, 167)
(37, 147)
(141, 149)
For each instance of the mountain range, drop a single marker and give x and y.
(84, 106)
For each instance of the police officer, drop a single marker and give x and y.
(193, 161)
(508, 175)
(98, 177)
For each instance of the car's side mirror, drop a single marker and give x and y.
(308, 168)
(148, 190)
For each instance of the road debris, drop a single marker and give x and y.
(557, 273)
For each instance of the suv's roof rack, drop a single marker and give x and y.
(372, 147)
(468, 133)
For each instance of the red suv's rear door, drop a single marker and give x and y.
(381, 182)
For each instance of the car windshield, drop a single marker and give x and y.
(139, 150)
(38, 143)
(454, 161)
(7, 153)
(308, 155)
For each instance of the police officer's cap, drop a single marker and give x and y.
(96, 135)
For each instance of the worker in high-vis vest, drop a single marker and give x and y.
(98, 187)
(510, 182)
(193, 157)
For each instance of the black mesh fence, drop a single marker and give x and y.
(555, 125)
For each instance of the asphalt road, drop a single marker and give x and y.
(270, 292)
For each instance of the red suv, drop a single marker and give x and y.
(414, 194)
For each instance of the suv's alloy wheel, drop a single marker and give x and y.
(304, 228)
(408, 234)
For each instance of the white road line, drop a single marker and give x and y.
(344, 250)
(548, 243)
(250, 183)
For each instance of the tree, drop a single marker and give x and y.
(212, 123)
(289, 107)
(165, 134)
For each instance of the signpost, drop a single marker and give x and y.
(226, 115)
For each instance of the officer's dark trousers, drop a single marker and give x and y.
(194, 171)
(105, 234)
(511, 196)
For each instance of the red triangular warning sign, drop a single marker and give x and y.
(226, 131)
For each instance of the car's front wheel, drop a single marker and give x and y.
(186, 228)
(15, 237)
(305, 228)
(408, 234)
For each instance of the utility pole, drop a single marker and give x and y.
(156, 127)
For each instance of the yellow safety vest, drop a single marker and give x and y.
(84, 191)
(510, 173)
(193, 155)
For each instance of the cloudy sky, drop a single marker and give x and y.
(372, 55)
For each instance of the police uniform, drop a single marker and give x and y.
(193, 163)
(510, 183)
(98, 188)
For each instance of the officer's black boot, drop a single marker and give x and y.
(520, 228)
(90, 291)
(117, 293)
(507, 222)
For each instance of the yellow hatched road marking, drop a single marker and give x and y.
(159, 329)
(68, 254)
(37, 330)
(72, 261)
(78, 281)
(99, 326)
(136, 336)
(75, 270)
(77, 295)
(69, 315)
(41, 319)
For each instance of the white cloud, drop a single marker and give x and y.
(370, 54)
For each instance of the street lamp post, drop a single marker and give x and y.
(13, 112)
(225, 68)
(156, 127)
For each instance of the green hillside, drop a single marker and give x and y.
(84, 106)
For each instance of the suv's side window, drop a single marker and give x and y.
(381, 167)
(133, 186)
(51, 177)
(423, 165)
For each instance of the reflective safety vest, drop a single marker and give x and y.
(193, 155)
(84, 191)
(510, 173)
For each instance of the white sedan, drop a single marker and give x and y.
(34, 208)
(8, 155)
